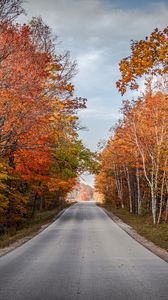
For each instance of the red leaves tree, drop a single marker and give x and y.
(37, 116)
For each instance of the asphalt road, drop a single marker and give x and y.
(83, 255)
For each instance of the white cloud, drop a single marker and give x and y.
(99, 114)
(98, 34)
(88, 60)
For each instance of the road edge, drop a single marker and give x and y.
(163, 254)
(25, 239)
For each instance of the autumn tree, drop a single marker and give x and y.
(10, 10)
(135, 158)
(39, 140)
(148, 57)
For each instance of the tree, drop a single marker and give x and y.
(10, 10)
(39, 143)
(149, 131)
(134, 161)
(148, 57)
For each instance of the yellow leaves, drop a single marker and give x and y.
(3, 172)
(135, 159)
(148, 56)
(71, 118)
(39, 138)
(53, 67)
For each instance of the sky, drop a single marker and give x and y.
(98, 35)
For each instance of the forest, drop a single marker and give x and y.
(134, 162)
(41, 154)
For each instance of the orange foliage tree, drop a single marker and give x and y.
(39, 145)
(148, 57)
(135, 158)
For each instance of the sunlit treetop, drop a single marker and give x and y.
(148, 57)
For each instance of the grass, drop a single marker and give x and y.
(30, 227)
(158, 234)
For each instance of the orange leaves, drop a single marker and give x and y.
(56, 184)
(38, 120)
(134, 161)
(25, 110)
(148, 56)
(36, 104)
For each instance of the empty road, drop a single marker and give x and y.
(83, 255)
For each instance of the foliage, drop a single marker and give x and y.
(148, 57)
(134, 167)
(41, 154)
(134, 161)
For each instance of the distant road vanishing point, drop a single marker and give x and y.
(83, 255)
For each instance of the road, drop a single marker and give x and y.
(83, 255)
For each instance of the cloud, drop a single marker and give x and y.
(98, 34)
(87, 61)
(99, 113)
(92, 21)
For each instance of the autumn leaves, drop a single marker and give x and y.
(148, 57)
(134, 169)
(40, 152)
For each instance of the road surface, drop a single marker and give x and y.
(83, 255)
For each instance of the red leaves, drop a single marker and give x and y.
(38, 118)
(36, 101)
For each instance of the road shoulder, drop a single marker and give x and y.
(20, 241)
(163, 254)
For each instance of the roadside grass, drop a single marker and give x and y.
(30, 226)
(158, 234)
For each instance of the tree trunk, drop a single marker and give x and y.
(161, 198)
(166, 214)
(139, 192)
(34, 205)
(129, 190)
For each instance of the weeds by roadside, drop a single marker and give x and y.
(31, 226)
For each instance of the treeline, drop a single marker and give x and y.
(134, 163)
(41, 154)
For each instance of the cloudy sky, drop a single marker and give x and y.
(98, 34)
